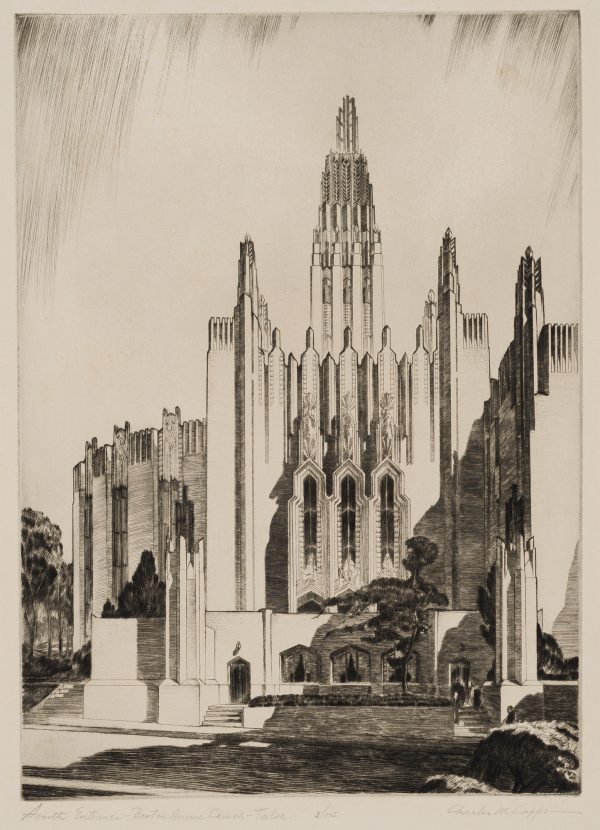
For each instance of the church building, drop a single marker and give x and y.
(309, 473)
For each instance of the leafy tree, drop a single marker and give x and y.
(64, 602)
(37, 580)
(486, 601)
(552, 665)
(40, 540)
(402, 604)
(143, 596)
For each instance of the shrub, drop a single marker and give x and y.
(82, 660)
(144, 596)
(40, 666)
(530, 757)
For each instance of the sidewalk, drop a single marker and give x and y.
(80, 724)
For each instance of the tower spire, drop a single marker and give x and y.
(346, 286)
(347, 127)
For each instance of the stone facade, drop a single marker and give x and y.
(129, 496)
(533, 459)
(310, 473)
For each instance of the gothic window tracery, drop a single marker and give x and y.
(386, 516)
(350, 665)
(298, 665)
(348, 508)
(392, 665)
(310, 522)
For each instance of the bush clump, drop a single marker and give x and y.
(332, 699)
(530, 757)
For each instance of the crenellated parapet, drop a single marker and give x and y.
(220, 334)
(193, 435)
(558, 352)
(143, 445)
(475, 331)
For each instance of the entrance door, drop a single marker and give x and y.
(239, 681)
(460, 672)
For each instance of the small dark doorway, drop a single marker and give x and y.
(460, 673)
(239, 680)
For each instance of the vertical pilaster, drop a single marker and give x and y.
(337, 274)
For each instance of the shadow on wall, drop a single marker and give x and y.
(566, 625)
(465, 642)
(469, 515)
(276, 553)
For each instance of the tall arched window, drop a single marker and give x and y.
(298, 665)
(386, 515)
(348, 519)
(350, 665)
(310, 522)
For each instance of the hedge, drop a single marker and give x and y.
(353, 700)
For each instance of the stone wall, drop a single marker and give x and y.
(561, 700)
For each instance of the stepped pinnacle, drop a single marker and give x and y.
(347, 127)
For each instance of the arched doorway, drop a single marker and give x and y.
(239, 680)
(459, 673)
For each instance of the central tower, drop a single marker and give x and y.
(347, 268)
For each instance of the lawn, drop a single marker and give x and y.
(263, 761)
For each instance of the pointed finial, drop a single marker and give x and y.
(276, 338)
(347, 337)
(529, 252)
(386, 339)
(310, 338)
(347, 127)
(448, 233)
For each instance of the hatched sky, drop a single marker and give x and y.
(148, 146)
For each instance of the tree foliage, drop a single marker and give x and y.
(143, 596)
(552, 665)
(37, 580)
(402, 605)
(41, 560)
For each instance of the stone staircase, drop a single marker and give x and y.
(228, 715)
(474, 723)
(66, 701)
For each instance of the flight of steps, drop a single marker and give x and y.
(475, 723)
(224, 715)
(66, 701)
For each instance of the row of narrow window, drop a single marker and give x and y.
(351, 665)
(348, 519)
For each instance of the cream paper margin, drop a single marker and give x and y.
(387, 810)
